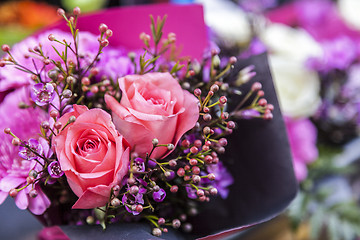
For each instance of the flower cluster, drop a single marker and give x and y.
(123, 135)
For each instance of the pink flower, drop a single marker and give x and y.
(92, 154)
(302, 136)
(152, 106)
(12, 78)
(14, 170)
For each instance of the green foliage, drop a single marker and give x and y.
(337, 221)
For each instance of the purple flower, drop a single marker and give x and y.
(191, 192)
(159, 196)
(115, 63)
(43, 94)
(257, 5)
(54, 169)
(248, 114)
(133, 200)
(27, 154)
(13, 169)
(223, 179)
(139, 164)
(302, 137)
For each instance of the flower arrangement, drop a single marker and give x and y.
(107, 135)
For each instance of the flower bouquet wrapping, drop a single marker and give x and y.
(133, 131)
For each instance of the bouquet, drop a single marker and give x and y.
(102, 135)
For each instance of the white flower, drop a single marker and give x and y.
(227, 20)
(349, 10)
(297, 87)
(296, 44)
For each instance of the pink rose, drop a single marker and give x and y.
(92, 154)
(152, 106)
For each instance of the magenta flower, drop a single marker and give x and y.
(54, 169)
(159, 196)
(13, 169)
(302, 137)
(43, 94)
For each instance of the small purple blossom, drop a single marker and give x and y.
(248, 114)
(27, 154)
(139, 163)
(43, 94)
(54, 170)
(222, 181)
(191, 192)
(130, 199)
(159, 196)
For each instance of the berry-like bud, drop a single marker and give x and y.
(172, 163)
(103, 27)
(115, 202)
(94, 89)
(33, 193)
(180, 172)
(2, 63)
(256, 86)
(90, 220)
(60, 12)
(161, 221)
(155, 142)
(5, 48)
(170, 146)
(54, 113)
(7, 130)
(232, 60)
(211, 176)
(207, 117)
(197, 92)
(185, 143)
(230, 125)
(85, 81)
(72, 119)
(58, 125)
(206, 130)
(214, 88)
(193, 162)
(196, 178)
(134, 189)
(30, 180)
(194, 150)
(223, 100)
(156, 232)
(174, 189)
(176, 223)
(51, 37)
(104, 43)
(76, 11)
(223, 142)
(213, 191)
(200, 192)
(15, 142)
(13, 193)
(139, 208)
(109, 33)
(67, 93)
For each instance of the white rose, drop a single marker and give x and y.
(297, 87)
(296, 44)
(349, 10)
(227, 20)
